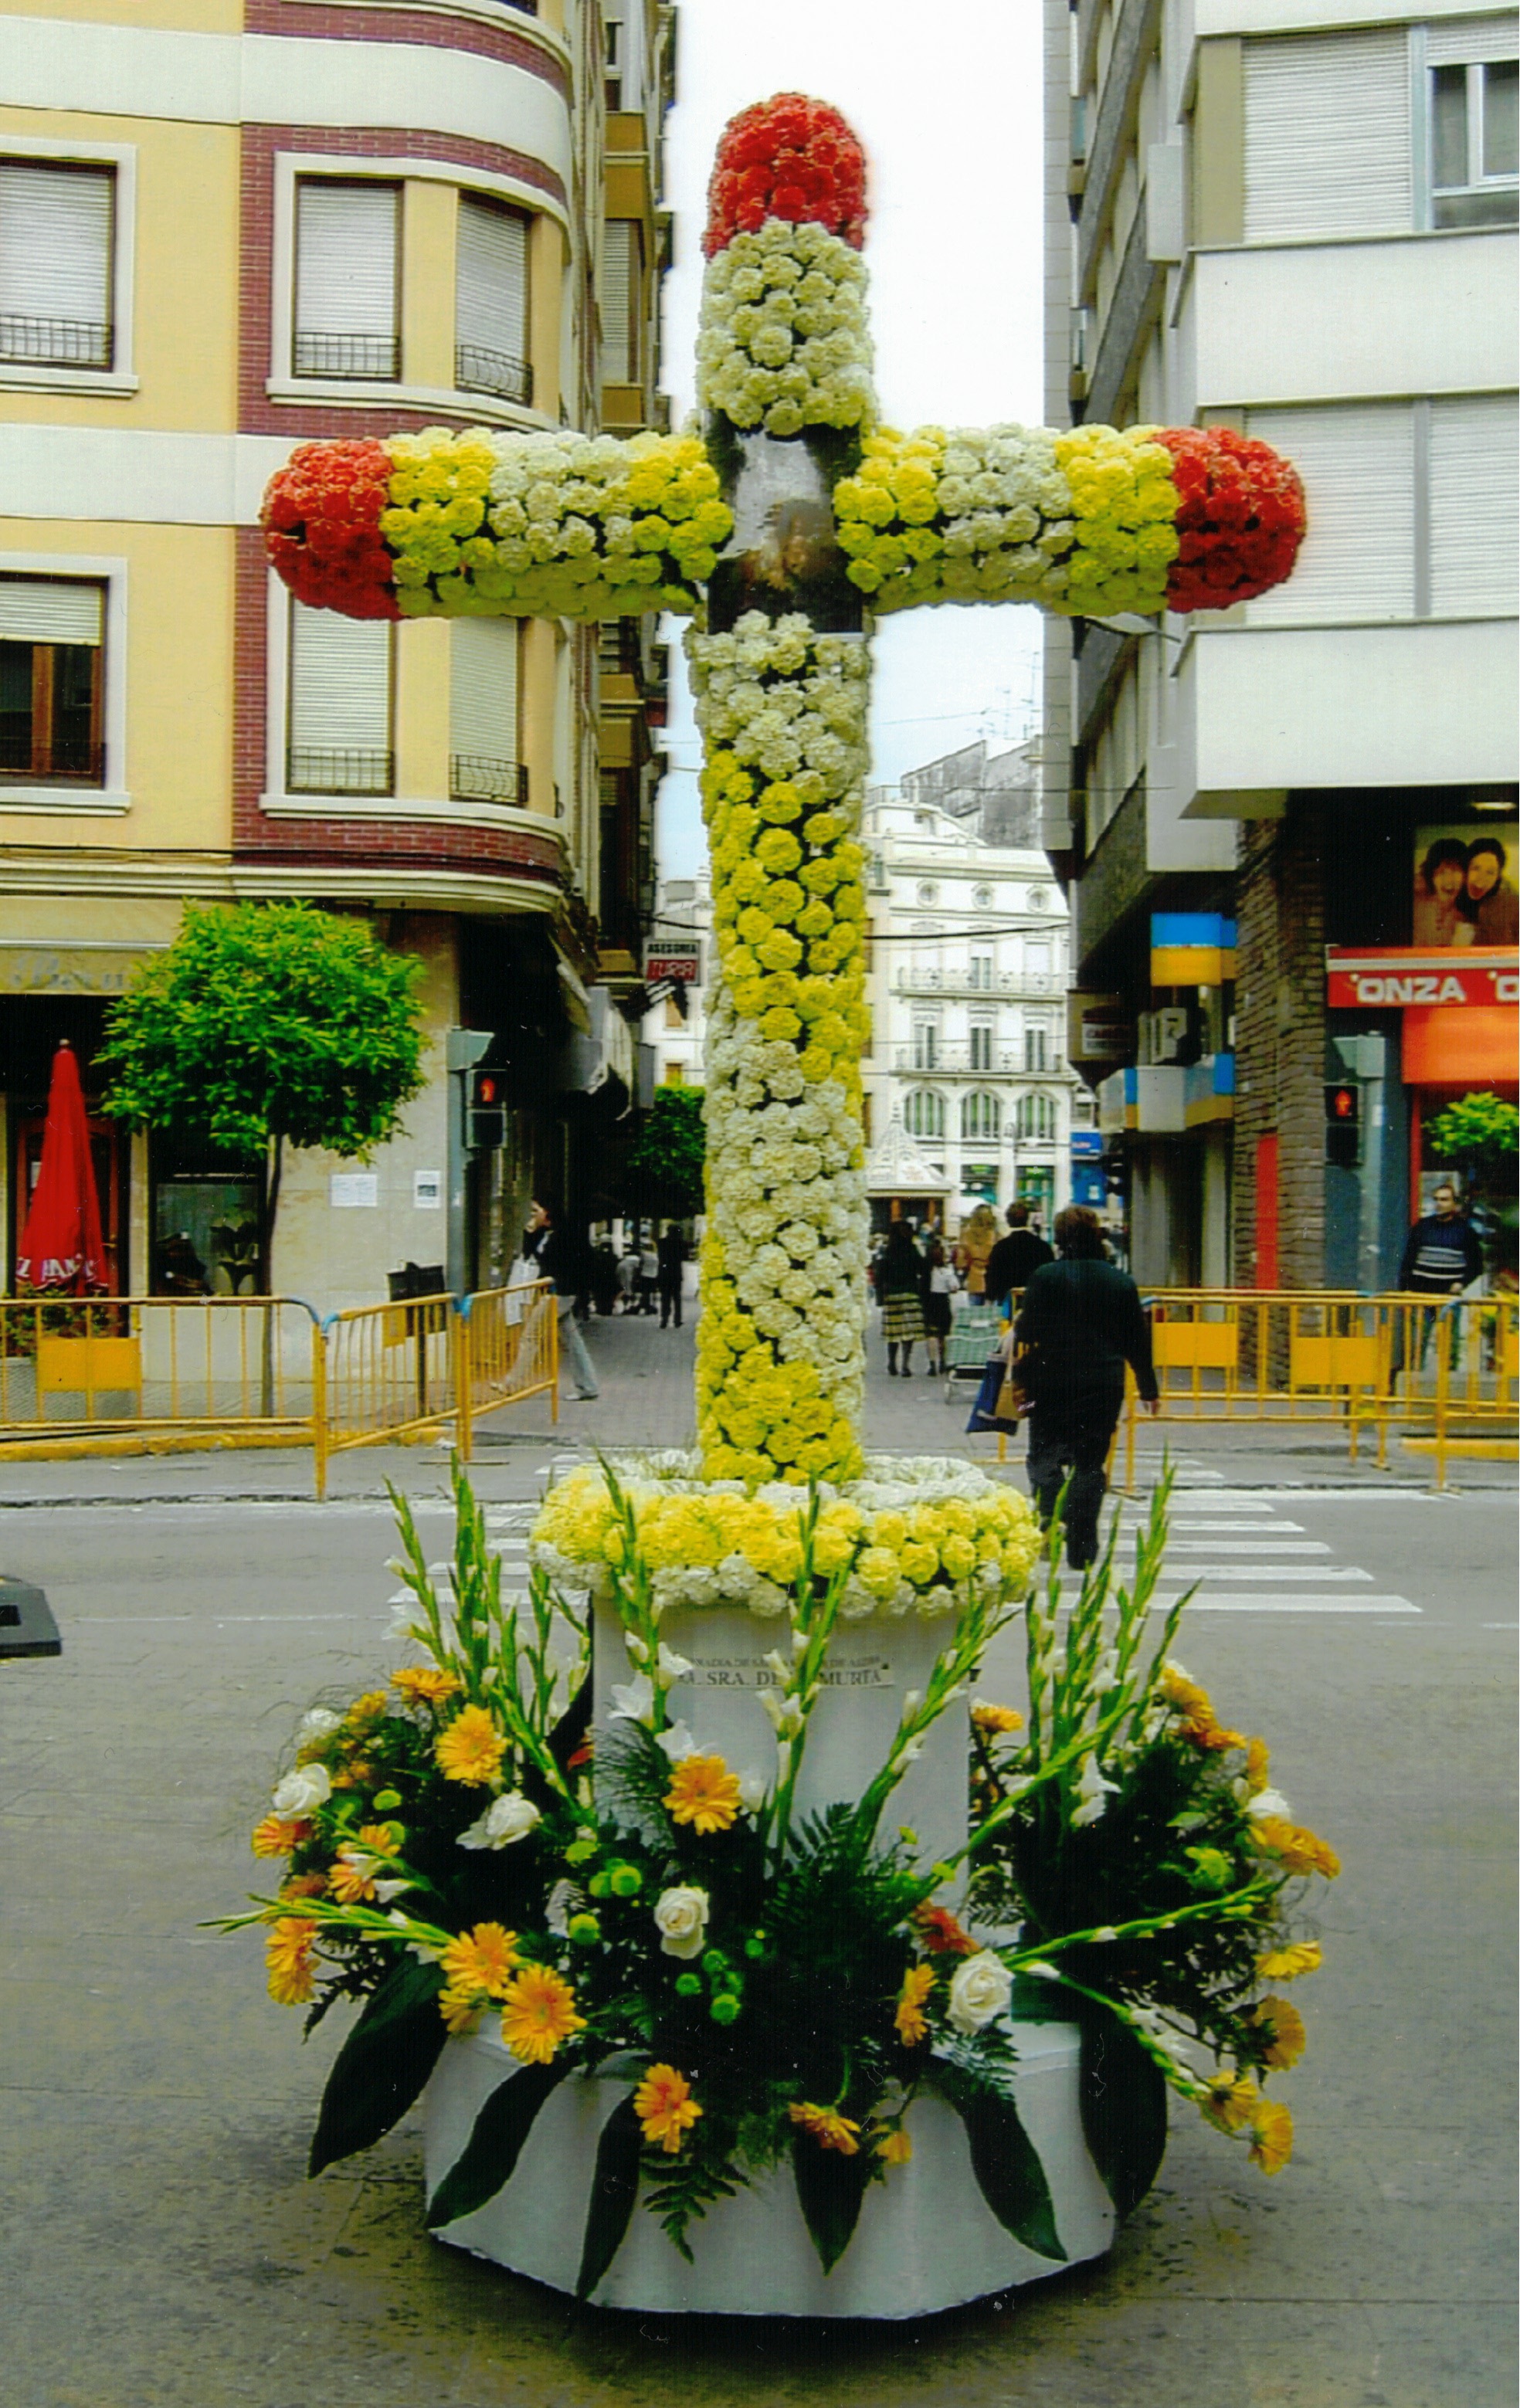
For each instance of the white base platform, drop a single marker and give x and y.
(925, 2241)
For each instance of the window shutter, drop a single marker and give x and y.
(482, 709)
(1357, 465)
(621, 281)
(1328, 136)
(55, 263)
(339, 693)
(1464, 41)
(50, 610)
(1474, 470)
(346, 287)
(490, 298)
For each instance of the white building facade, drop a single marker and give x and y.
(969, 971)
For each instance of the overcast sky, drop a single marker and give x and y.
(947, 104)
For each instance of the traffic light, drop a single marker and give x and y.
(485, 1111)
(1343, 1124)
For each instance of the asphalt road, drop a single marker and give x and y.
(162, 2249)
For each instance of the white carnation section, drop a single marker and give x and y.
(784, 343)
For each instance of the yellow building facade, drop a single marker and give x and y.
(228, 226)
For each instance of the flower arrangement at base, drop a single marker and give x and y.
(776, 1989)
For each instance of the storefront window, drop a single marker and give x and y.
(206, 1228)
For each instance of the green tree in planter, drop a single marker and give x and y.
(268, 1026)
(667, 1157)
(1479, 1134)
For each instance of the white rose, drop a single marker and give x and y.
(681, 1918)
(506, 1819)
(979, 1989)
(304, 1790)
(320, 1723)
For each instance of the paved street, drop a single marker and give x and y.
(164, 2250)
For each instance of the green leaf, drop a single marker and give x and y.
(830, 2188)
(489, 2155)
(614, 2187)
(382, 2065)
(1003, 2159)
(1124, 2108)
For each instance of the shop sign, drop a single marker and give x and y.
(1389, 975)
(1099, 1027)
(674, 960)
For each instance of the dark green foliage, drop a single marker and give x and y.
(667, 1157)
(1124, 2106)
(1003, 2158)
(831, 2188)
(494, 2147)
(614, 2188)
(383, 2064)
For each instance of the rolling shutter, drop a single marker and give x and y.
(1357, 465)
(1464, 41)
(483, 709)
(55, 263)
(346, 286)
(491, 282)
(1474, 470)
(621, 283)
(1328, 136)
(340, 682)
(50, 610)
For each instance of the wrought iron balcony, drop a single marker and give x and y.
(950, 981)
(339, 769)
(476, 777)
(480, 370)
(375, 359)
(56, 342)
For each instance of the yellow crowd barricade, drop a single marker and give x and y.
(78, 1367)
(508, 1349)
(389, 1371)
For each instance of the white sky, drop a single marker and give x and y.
(952, 129)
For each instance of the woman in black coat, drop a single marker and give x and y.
(1083, 1321)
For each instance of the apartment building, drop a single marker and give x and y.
(969, 1096)
(1296, 218)
(228, 226)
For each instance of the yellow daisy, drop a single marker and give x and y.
(704, 1793)
(470, 1749)
(665, 2107)
(485, 1959)
(289, 1955)
(1272, 2136)
(912, 2024)
(538, 2012)
(1289, 1963)
(830, 2129)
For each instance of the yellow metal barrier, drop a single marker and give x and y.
(509, 1349)
(71, 1367)
(389, 1371)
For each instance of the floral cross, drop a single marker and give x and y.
(780, 529)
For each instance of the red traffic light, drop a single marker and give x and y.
(1342, 1106)
(485, 1089)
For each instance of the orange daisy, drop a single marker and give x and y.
(538, 2012)
(1297, 1850)
(942, 1935)
(485, 1959)
(1285, 2025)
(460, 2010)
(894, 2147)
(472, 1748)
(912, 2024)
(1272, 2136)
(830, 2129)
(1228, 2101)
(423, 1684)
(278, 1835)
(704, 1793)
(992, 1721)
(290, 1954)
(304, 1885)
(665, 2107)
(351, 1883)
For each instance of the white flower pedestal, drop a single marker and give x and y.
(925, 2239)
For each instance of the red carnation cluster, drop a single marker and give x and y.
(789, 157)
(1242, 518)
(320, 521)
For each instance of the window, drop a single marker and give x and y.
(1037, 1119)
(1327, 134)
(623, 295)
(928, 894)
(1474, 469)
(924, 1114)
(484, 766)
(55, 265)
(612, 91)
(1037, 898)
(923, 820)
(340, 705)
(980, 972)
(926, 1045)
(1474, 157)
(981, 1033)
(983, 898)
(348, 252)
(1036, 1045)
(491, 301)
(52, 680)
(981, 1116)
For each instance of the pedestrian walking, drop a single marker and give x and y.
(902, 1276)
(1014, 1259)
(941, 1285)
(974, 1249)
(1441, 1257)
(1081, 1322)
(648, 1274)
(671, 1251)
(544, 1245)
(628, 1278)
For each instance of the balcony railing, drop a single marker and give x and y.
(960, 982)
(479, 369)
(56, 342)
(339, 769)
(374, 358)
(476, 777)
(21, 760)
(971, 1062)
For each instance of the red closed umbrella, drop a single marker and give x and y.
(61, 1245)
